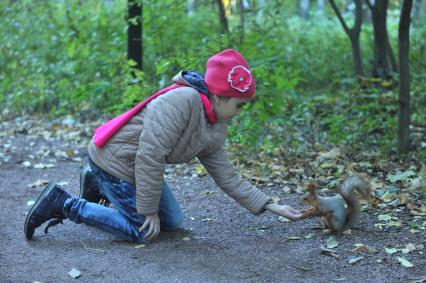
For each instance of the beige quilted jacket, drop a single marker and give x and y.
(169, 130)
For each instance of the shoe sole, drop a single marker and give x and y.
(30, 232)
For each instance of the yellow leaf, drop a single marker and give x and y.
(70, 152)
(201, 171)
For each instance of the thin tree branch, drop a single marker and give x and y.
(358, 16)
(339, 16)
(369, 4)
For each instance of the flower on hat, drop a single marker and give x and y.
(240, 78)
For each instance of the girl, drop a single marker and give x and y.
(128, 155)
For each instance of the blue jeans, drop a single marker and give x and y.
(124, 221)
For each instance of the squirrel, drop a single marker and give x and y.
(338, 214)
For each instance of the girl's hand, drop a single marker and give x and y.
(153, 222)
(285, 211)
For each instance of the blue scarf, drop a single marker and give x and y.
(196, 80)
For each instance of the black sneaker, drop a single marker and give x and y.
(89, 188)
(49, 205)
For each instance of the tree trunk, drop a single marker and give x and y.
(392, 59)
(320, 7)
(417, 9)
(241, 12)
(380, 63)
(134, 33)
(356, 54)
(190, 6)
(222, 16)
(404, 77)
(304, 8)
(260, 10)
(353, 34)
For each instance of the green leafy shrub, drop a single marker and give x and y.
(60, 57)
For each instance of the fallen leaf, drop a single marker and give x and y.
(276, 199)
(286, 190)
(332, 154)
(69, 152)
(26, 164)
(388, 197)
(77, 159)
(329, 252)
(394, 224)
(376, 184)
(201, 171)
(293, 238)
(401, 177)
(331, 242)
(391, 250)
(38, 183)
(408, 248)
(186, 238)
(260, 228)
(361, 248)
(416, 279)
(283, 219)
(309, 236)
(355, 260)
(74, 273)
(384, 217)
(140, 246)
(43, 166)
(404, 262)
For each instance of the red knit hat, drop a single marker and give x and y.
(228, 74)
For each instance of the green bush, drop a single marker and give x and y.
(60, 57)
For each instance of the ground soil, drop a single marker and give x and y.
(234, 246)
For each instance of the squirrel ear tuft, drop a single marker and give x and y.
(312, 187)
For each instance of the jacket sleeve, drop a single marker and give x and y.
(228, 179)
(163, 125)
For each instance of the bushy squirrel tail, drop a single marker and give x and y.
(348, 190)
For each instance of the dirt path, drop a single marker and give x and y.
(220, 242)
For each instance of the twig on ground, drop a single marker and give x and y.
(99, 250)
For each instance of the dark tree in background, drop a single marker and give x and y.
(382, 47)
(404, 77)
(353, 34)
(222, 16)
(134, 33)
(240, 5)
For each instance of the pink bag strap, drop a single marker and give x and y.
(104, 132)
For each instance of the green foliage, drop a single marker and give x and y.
(60, 57)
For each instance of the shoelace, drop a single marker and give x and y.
(58, 218)
(52, 223)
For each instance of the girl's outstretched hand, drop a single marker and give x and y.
(285, 211)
